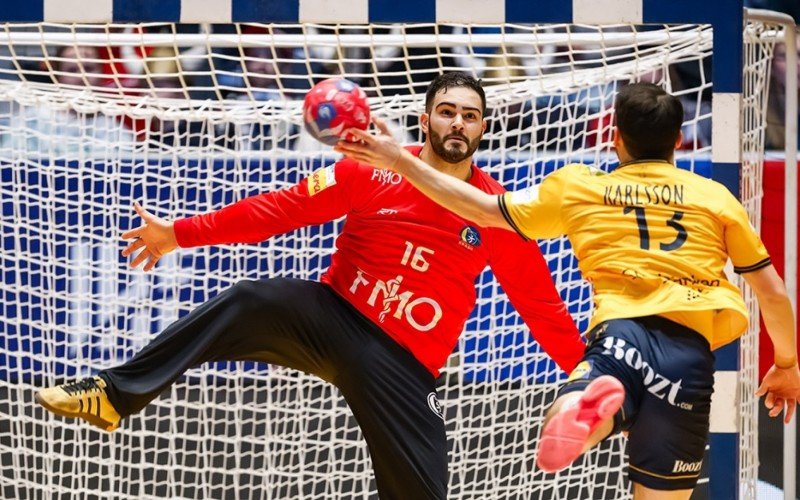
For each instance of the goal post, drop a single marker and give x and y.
(187, 106)
(783, 26)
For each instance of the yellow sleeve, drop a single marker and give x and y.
(535, 212)
(743, 244)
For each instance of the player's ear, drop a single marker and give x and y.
(424, 119)
(679, 140)
(617, 139)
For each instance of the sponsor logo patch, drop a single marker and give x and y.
(655, 383)
(435, 406)
(681, 466)
(581, 371)
(321, 180)
(386, 177)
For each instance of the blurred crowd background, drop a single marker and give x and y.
(271, 75)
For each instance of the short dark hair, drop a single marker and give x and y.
(454, 79)
(649, 120)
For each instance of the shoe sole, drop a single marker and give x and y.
(565, 435)
(92, 419)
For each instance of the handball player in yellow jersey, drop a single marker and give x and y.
(653, 240)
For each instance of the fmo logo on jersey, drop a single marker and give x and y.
(397, 304)
(386, 176)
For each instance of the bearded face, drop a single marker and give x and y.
(454, 147)
(455, 124)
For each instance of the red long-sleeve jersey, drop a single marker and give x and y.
(403, 261)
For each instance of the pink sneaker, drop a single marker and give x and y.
(563, 438)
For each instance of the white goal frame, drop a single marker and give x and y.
(727, 19)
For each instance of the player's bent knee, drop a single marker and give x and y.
(256, 294)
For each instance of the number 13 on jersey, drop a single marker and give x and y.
(644, 232)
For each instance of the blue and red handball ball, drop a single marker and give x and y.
(331, 107)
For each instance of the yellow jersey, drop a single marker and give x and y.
(652, 239)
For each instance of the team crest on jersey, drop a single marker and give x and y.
(581, 371)
(435, 405)
(321, 179)
(470, 237)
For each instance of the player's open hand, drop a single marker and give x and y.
(380, 150)
(155, 237)
(782, 389)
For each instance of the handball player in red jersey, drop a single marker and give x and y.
(383, 319)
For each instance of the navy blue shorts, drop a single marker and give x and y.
(668, 374)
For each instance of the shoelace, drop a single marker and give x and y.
(85, 385)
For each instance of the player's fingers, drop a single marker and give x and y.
(133, 233)
(769, 401)
(151, 263)
(381, 125)
(361, 134)
(762, 389)
(144, 214)
(133, 246)
(349, 146)
(777, 408)
(143, 255)
(352, 150)
(791, 405)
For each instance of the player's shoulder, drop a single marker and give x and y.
(713, 191)
(485, 182)
(581, 169)
(575, 172)
(578, 170)
(352, 169)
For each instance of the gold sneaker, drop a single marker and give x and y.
(84, 399)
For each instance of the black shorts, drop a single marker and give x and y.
(668, 374)
(305, 325)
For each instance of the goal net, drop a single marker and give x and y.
(186, 119)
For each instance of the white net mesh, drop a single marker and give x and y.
(188, 119)
(760, 42)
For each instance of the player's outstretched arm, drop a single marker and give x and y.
(383, 151)
(781, 384)
(155, 237)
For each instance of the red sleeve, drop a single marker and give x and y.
(323, 196)
(523, 273)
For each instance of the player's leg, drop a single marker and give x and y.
(641, 492)
(667, 441)
(393, 399)
(274, 321)
(599, 398)
(578, 421)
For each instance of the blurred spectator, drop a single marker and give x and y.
(46, 131)
(358, 63)
(691, 82)
(259, 89)
(776, 123)
(77, 66)
(263, 68)
(172, 132)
